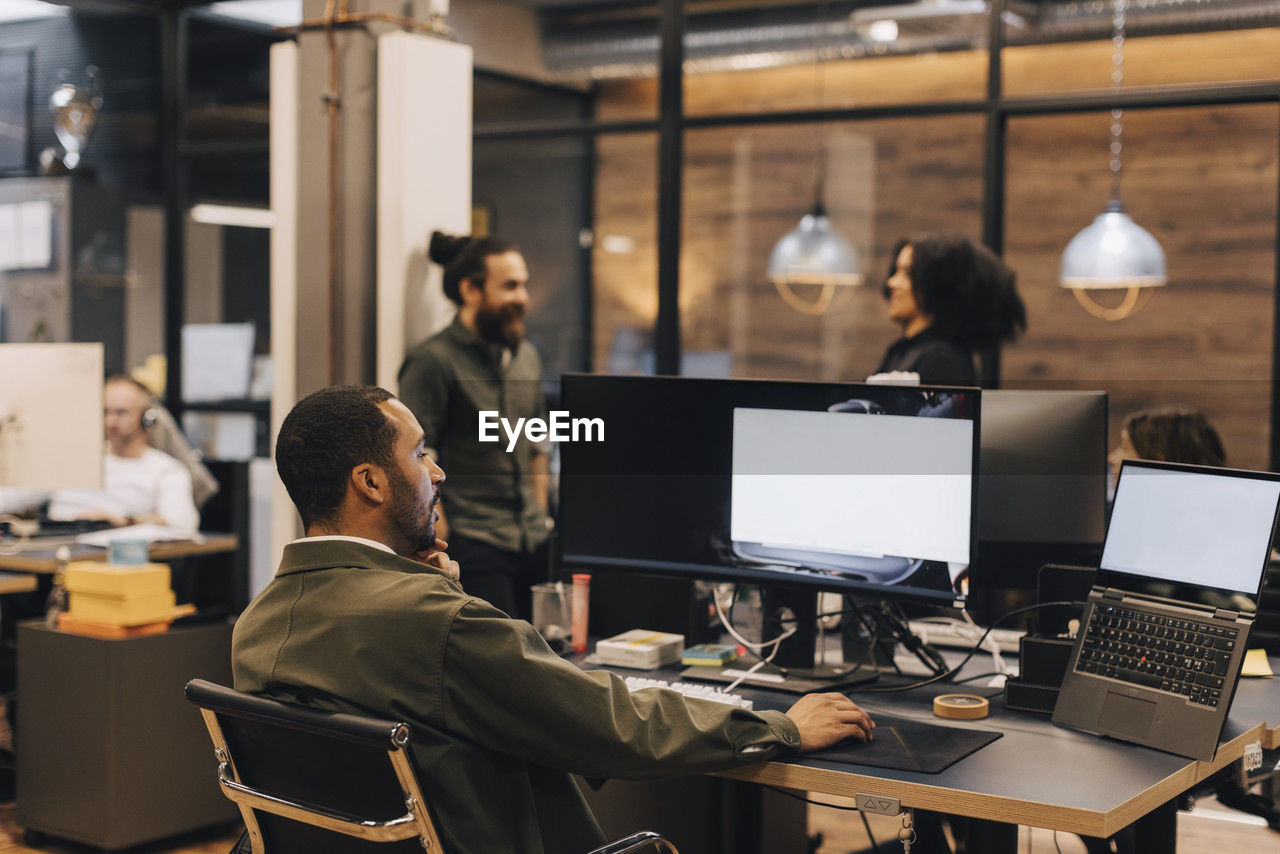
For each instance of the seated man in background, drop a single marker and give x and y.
(366, 615)
(139, 483)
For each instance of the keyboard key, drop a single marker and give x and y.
(1138, 677)
(1209, 680)
(689, 689)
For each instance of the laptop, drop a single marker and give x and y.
(1165, 627)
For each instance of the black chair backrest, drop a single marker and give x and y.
(331, 762)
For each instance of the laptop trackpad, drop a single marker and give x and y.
(1126, 716)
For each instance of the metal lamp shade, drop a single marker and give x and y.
(1112, 252)
(813, 254)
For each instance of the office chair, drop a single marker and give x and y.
(308, 780)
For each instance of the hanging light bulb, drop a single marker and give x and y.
(812, 254)
(1114, 252)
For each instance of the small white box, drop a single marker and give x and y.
(640, 648)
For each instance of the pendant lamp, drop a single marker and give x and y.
(812, 254)
(1114, 252)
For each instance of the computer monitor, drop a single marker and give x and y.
(840, 486)
(1041, 486)
(51, 416)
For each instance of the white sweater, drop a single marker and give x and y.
(154, 483)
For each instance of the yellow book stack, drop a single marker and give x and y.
(124, 596)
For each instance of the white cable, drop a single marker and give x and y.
(776, 643)
(21, 540)
(723, 614)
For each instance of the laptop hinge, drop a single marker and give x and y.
(1223, 614)
(1112, 593)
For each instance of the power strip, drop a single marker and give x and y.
(954, 633)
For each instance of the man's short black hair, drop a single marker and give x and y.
(326, 435)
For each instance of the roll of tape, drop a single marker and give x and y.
(961, 707)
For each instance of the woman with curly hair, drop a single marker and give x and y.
(951, 297)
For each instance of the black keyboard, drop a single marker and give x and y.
(71, 527)
(1186, 657)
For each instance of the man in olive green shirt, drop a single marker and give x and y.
(366, 615)
(495, 509)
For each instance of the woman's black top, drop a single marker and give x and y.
(937, 360)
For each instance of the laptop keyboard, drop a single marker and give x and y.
(1185, 657)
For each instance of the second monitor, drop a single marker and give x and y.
(1041, 489)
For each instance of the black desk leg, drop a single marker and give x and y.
(1157, 830)
(742, 808)
(989, 837)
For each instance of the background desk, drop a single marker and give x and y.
(41, 559)
(16, 582)
(220, 582)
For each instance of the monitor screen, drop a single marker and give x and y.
(1194, 526)
(838, 485)
(51, 416)
(1042, 467)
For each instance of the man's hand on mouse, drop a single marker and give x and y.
(826, 719)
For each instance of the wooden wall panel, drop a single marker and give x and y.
(959, 75)
(1203, 180)
(1221, 57)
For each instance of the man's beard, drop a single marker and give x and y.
(410, 515)
(504, 325)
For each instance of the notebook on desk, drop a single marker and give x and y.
(1164, 629)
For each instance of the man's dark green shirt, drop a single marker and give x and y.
(499, 721)
(446, 381)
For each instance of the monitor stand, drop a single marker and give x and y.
(784, 606)
(873, 630)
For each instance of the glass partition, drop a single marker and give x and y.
(1230, 56)
(536, 194)
(1203, 182)
(869, 81)
(624, 257)
(747, 187)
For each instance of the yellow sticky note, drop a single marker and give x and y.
(1256, 664)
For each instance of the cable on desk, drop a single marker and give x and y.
(875, 846)
(986, 675)
(776, 643)
(871, 689)
(21, 539)
(791, 794)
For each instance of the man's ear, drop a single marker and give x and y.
(471, 291)
(370, 483)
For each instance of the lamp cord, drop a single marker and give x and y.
(1117, 80)
(819, 101)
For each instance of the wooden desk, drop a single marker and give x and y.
(17, 582)
(40, 558)
(1038, 774)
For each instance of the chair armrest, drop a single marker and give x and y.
(636, 842)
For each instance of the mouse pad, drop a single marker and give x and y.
(909, 745)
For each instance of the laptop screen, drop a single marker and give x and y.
(1189, 526)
